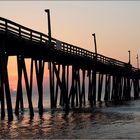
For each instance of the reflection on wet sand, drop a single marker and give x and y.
(104, 122)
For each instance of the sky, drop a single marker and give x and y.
(115, 23)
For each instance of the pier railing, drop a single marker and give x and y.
(29, 34)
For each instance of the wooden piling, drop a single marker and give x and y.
(7, 90)
(100, 84)
(62, 85)
(19, 97)
(124, 88)
(76, 87)
(128, 94)
(64, 88)
(67, 79)
(79, 88)
(28, 86)
(120, 88)
(94, 85)
(90, 88)
(2, 90)
(5, 80)
(57, 86)
(72, 90)
(107, 87)
(39, 68)
(51, 75)
(83, 87)
(136, 88)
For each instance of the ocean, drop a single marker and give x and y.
(100, 122)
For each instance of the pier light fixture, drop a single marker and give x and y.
(137, 61)
(95, 43)
(129, 53)
(49, 24)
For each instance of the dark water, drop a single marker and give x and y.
(115, 122)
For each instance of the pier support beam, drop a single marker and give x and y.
(5, 82)
(57, 87)
(100, 84)
(28, 85)
(77, 91)
(90, 88)
(83, 88)
(124, 88)
(51, 66)
(19, 98)
(107, 87)
(39, 68)
(2, 90)
(63, 86)
(128, 95)
(72, 90)
(136, 88)
(94, 86)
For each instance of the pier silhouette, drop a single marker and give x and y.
(62, 59)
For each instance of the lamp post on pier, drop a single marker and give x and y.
(129, 56)
(49, 32)
(49, 25)
(137, 61)
(95, 43)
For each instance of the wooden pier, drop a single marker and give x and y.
(65, 62)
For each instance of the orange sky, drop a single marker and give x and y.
(116, 24)
(12, 71)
